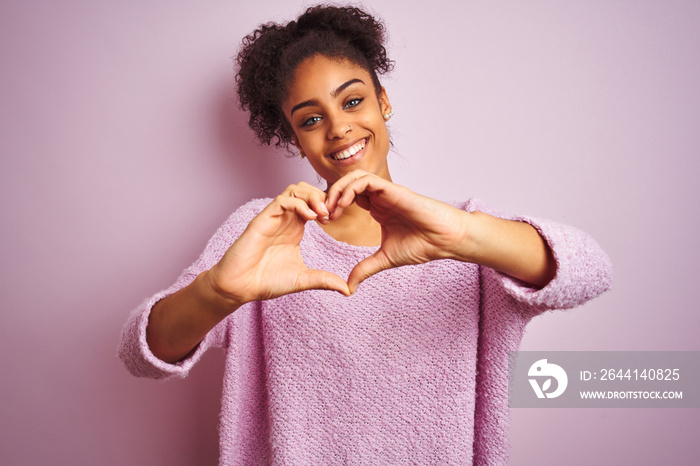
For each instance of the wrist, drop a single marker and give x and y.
(469, 229)
(214, 297)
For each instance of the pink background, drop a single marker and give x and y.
(122, 149)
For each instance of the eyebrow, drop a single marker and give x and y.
(341, 88)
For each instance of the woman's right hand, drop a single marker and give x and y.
(265, 261)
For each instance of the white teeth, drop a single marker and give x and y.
(350, 151)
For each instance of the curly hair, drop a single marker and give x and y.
(270, 55)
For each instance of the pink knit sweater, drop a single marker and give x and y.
(412, 369)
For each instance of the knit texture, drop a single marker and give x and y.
(411, 369)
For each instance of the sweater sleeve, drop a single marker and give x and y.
(584, 270)
(134, 350)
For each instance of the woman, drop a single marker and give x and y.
(409, 367)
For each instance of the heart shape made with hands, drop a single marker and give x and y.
(265, 262)
(414, 229)
(403, 240)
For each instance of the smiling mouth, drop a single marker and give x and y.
(350, 151)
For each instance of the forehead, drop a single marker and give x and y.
(318, 76)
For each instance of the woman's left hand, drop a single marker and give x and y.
(415, 228)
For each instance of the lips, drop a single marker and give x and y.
(350, 151)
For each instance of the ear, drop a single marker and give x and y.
(384, 104)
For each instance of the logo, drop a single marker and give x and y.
(543, 369)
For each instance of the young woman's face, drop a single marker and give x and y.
(337, 118)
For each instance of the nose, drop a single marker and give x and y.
(338, 125)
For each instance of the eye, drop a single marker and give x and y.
(310, 121)
(353, 102)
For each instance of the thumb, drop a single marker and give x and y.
(321, 280)
(366, 268)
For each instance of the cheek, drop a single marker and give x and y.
(383, 130)
(304, 142)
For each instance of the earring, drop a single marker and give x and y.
(301, 154)
(389, 115)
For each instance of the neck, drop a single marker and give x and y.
(356, 227)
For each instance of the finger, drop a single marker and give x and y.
(335, 191)
(317, 203)
(322, 280)
(313, 196)
(292, 204)
(350, 193)
(363, 191)
(366, 268)
(364, 202)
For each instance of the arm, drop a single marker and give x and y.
(180, 321)
(417, 229)
(511, 247)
